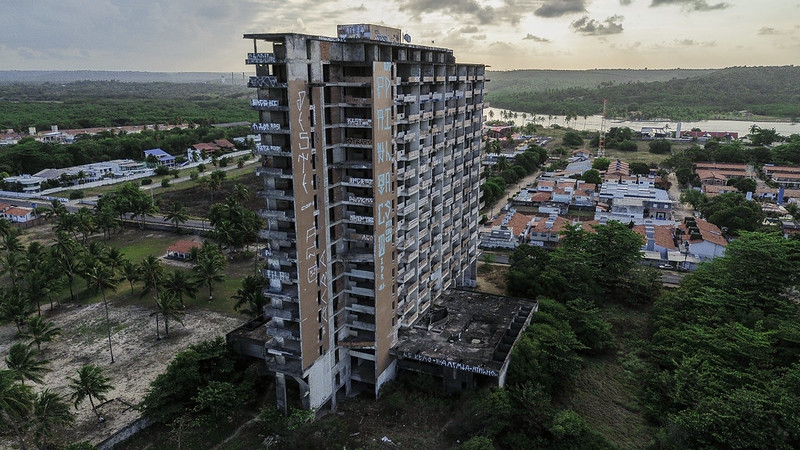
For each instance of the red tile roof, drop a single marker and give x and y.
(18, 211)
(540, 197)
(183, 246)
(720, 166)
(708, 231)
(518, 222)
(224, 143)
(558, 225)
(662, 234)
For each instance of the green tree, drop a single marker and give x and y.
(601, 163)
(131, 272)
(50, 413)
(660, 146)
(209, 270)
(23, 362)
(639, 168)
(14, 306)
(179, 284)
(176, 214)
(169, 307)
(40, 330)
(732, 212)
(102, 277)
(693, 197)
(16, 401)
(90, 383)
(152, 271)
(572, 139)
(592, 176)
(250, 299)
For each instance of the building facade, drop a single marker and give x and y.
(370, 156)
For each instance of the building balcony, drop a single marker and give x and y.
(284, 277)
(358, 256)
(276, 194)
(274, 172)
(265, 82)
(356, 122)
(277, 235)
(288, 312)
(359, 142)
(287, 216)
(363, 274)
(260, 104)
(364, 292)
(289, 330)
(272, 150)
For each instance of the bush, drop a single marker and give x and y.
(194, 175)
(477, 443)
(161, 170)
(572, 139)
(223, 162)
(164, 182)
(628, 146)
(146, 181)
(75, 195)
(661, 146)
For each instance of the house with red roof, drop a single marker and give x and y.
(18, 214)
(700, 238)
(506, 231)
(182, 249)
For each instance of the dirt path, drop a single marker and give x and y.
(679, 210)
(139, 357)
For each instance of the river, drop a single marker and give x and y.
(593, 123)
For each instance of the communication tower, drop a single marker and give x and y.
(601, 142)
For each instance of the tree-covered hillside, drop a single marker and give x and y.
(768, 91)
(84, 104)
(546, 80)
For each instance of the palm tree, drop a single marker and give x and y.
(177, 215)
(240, 193)
(66, 252)
(6, 228)
(22, 362)
(114, 259)
(84, 223)
(177, 283)
(152, 272)
(130, 272)
(171, 308)
(209, 270)
(40, 331)
(14, 306)
(250, 298)
(102, 277)
(50, 412)
(15, 404)
(90, 383)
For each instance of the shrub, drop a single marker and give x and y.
(75, 195)
(161, 170)
(164, 182)
(146, 181)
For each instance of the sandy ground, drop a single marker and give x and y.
(679, 210)
(139, 357)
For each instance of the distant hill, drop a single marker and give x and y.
(68, 76)
(766, 91)
(542, 80)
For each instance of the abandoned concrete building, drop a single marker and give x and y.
(370, 155)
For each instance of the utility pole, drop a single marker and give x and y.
(601, 145)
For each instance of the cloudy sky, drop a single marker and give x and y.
(206, 35)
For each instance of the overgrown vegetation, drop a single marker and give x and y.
(766, 91)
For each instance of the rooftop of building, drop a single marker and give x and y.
(467, 330)
(697, 230)
(513, 220)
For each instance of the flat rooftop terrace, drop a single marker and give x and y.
(468, 331)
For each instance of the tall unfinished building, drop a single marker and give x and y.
(370, 152)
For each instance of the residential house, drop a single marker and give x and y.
(546, 231)
(700, 238)
(658, 238)
(703, 136)
(163, 158)
(506, 231)
(182, 249)
(28, 184)
(713, 190)
(18, 214)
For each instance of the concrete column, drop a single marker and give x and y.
(280, 393)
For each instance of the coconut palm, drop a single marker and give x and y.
(178, 283)
(131, 272)
(241, 193)
(50, 412)
(15, 404)
(6, 228)
(249, 297)
(65, 251)
(40, 330)
(102, 277)
(170, 308)
(209, 270)
(152, 272)
(14, 306)
(177, 215)
(22, 361)
(90, 383)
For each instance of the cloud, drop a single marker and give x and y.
(693, 43)
(625, 2)
(692, 5)
(479, 37)
(470, 29)
(592, 27)
(767, 30)
(458, 8)
(530, 37)
(558, 8)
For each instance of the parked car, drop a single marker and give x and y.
(666, 267)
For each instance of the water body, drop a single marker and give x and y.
(592, 123)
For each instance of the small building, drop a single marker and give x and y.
(28, 184)
(546, 232)
(465, 340)
(163, 158)
(182, 249)
(700, 238)
(18, 214)
(507, 231)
